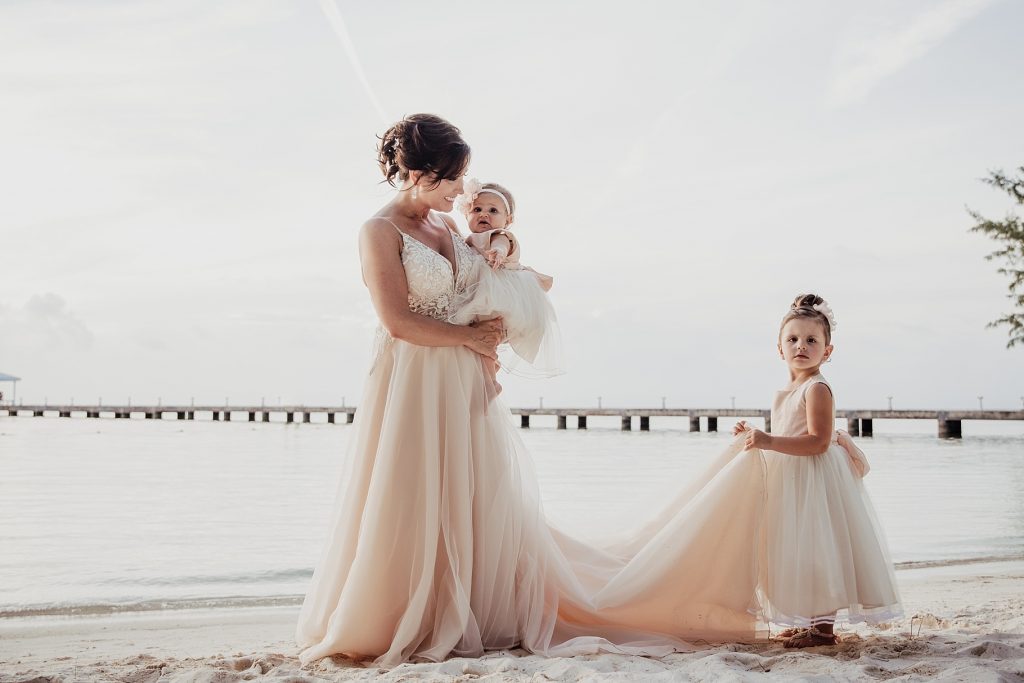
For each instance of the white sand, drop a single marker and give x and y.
(966, 623)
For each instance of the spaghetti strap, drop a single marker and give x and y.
(400, 231)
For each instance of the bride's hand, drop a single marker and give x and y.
(484, 337)
(740, 427)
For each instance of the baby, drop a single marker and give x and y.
(507, 288)
(490, 209)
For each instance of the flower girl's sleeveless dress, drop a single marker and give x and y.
(824, 551)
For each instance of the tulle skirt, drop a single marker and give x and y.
(529, 318)
(825, 555)
(438, 545)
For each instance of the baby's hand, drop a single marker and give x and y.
(757, 439)
(495, 258)
(740, 427)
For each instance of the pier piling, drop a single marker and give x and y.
(866, 427)
(694, 424)
(627, 423)
(645, 423)
(950, 429)
(712, 424)
(581, 422)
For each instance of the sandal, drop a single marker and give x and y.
(812, 637)
(790, 632)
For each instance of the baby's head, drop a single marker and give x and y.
(487, 206)
(805, 336)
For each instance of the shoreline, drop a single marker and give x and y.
(963, 621)
(156, 606)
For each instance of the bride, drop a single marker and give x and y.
(438, 545)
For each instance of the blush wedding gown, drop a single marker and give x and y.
(438, 544)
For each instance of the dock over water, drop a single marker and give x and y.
(860, 422)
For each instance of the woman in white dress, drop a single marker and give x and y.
(438, 545)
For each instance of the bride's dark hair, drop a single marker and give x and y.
(803, 307)
(422, 142)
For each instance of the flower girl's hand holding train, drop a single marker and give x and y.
(757, 439)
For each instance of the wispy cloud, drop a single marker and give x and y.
(337, 23)
(44, 323)
(865, 61)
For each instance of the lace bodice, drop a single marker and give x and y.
(789, 410)
(432, 284)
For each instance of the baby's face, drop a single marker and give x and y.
(487, 213)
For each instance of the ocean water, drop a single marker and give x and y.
(104, 516)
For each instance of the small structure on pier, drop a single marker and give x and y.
(14, 381)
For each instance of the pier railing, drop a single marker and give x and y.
(860, 422)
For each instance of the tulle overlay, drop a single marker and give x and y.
(529, 318)
(438, 544)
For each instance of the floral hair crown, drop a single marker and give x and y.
(826, 311)
(473, 188)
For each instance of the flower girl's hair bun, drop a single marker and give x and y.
(422, 142)
(812, 307)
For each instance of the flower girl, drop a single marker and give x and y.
(824, 557)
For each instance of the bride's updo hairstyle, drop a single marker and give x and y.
(810, 307)
(422, 142)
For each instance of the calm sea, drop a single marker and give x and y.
(104, 515)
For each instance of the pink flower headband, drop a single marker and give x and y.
(473, 189)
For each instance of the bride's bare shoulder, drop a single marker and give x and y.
(379, 232)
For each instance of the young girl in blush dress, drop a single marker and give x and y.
(824, 557)
(506, 288)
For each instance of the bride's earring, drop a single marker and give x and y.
(415, 191)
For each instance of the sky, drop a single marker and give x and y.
(182, 183)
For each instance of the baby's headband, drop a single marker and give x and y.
(504, 200)
(473, 189)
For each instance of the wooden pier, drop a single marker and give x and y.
(860, 422)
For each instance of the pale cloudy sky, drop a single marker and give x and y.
(181, 184)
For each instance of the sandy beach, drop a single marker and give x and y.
(963, 623)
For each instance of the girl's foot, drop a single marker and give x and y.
(790, 632)
(811, 637)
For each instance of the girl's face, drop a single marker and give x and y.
(440, 198)
(802, 344)
(488, 213)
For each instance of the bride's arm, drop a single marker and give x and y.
(381, 261)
